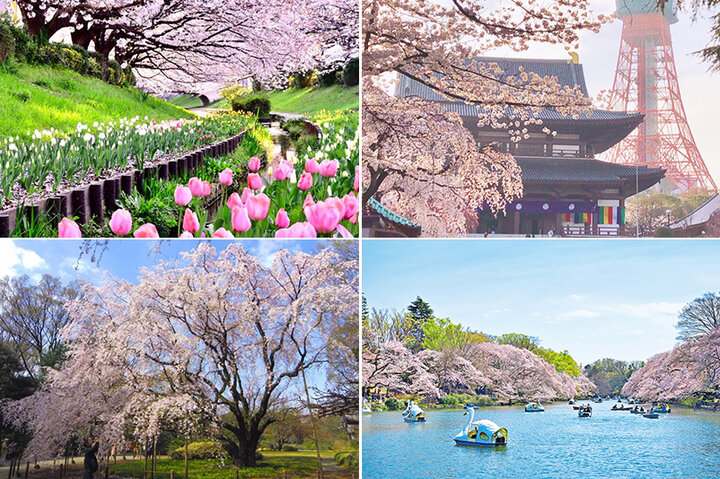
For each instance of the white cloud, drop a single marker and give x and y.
(575, 315)
(70, 268)
(577, 297)
(17, 260)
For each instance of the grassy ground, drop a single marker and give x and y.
(41, 97)
(294, 100)
(299, 464)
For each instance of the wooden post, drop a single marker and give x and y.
(321, 475)
(172, 473)
(237, 473)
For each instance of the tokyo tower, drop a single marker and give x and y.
(646, 81)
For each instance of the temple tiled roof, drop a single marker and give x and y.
(389, 214)
(570, 170)
(463, 109)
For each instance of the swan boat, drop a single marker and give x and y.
(534, 407)
(415, 414)
(482, 433)
(366, 409)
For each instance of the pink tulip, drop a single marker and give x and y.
(254, 163)
(324, 215)
(223, 234)
(68, 229)
(312, 166)
(343, 232)
(258, 206)
(357, 179)
(351, 207)
(328, 168)
(240, 220)
(305, 182)
(234, 201)
(196, 186)
(147, 230)
(226, 176)
(283, 171)
(254, 181)
(183, 195)
(187, 235)
(247, 193)
(282, 220)
(308, 201)
(190, 221)
(206, 188)
(298, 230)
(121, 222)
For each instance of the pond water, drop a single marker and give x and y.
(552, 444)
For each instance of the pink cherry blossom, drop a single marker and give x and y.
(297, 230)
(148, 230)
(240, 219)
(68, 229)
(258, 206)
(282, 220)
(254, 181)
(190, 221)
(328, 168)
(121, 222)
(305, 182)
(226, 177)
(183, 195)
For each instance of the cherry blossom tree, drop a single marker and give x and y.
(212, 341)
(177, 44)
(396, 368)
(419, 159)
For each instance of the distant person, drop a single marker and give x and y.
(550, 233)
(90, 463)
(3, 450)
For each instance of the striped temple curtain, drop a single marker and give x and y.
(607, 215)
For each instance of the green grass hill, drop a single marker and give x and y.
(40, 97)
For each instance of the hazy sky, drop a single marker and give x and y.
(698, 87)
(595, 298)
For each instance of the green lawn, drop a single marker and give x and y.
(41, 97)
(297, 464)
(294, 100)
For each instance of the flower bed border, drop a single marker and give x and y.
(90, 202)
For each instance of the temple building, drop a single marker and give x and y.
(566, 190)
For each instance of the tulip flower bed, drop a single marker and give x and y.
(234, 196)
(78, 168)
(53, 161)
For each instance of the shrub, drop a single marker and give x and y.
(25, 47)
(115, 72)
(200, 450)
(7, 42)
(257, 103)
(329, 78)
(348, 459)
(351, 73)
(305, 143)
(393, 404)
(289, 448)
(303, 79)
(663, 232)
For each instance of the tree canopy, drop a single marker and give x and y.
(700, 316)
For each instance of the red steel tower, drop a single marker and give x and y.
(646, 81)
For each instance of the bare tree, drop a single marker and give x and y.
(700, 316)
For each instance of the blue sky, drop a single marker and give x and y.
(122, 259)
(595, 298)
